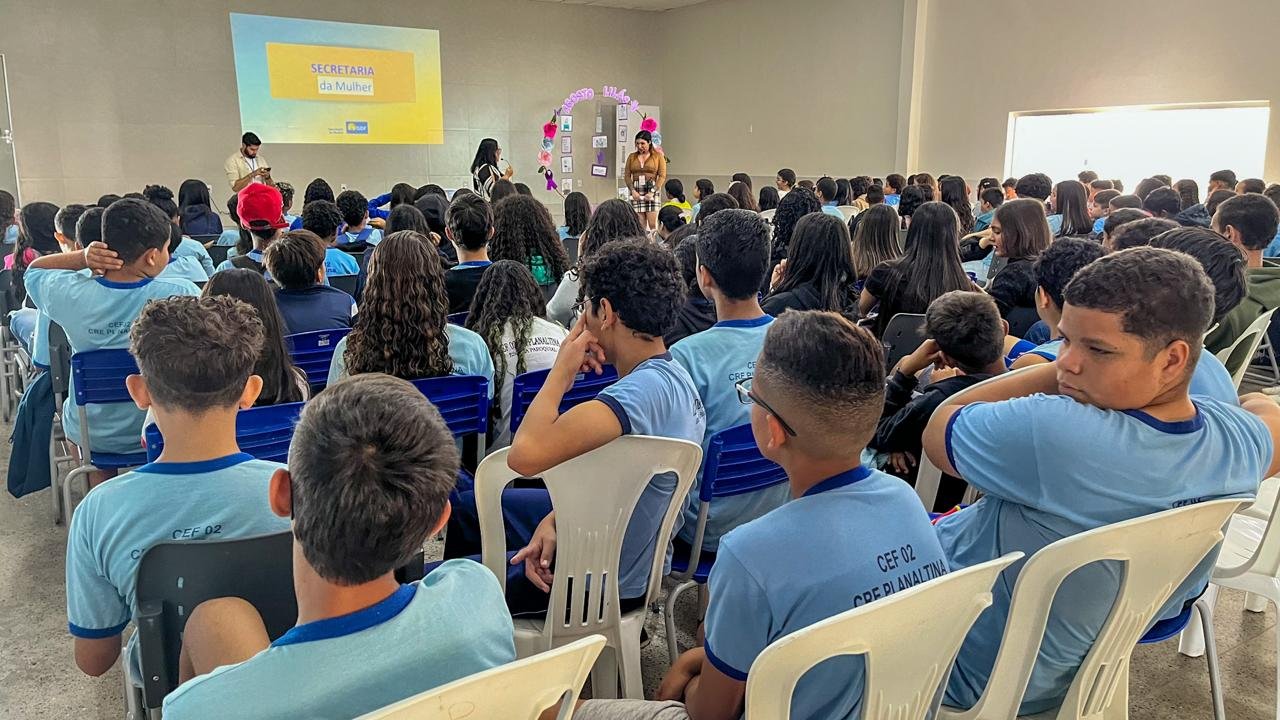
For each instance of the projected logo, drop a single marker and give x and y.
(357, 127)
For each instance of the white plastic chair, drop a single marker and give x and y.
(1249, 561)
(928, 476)
(1159, 551)
(521, 690)
(593, 496)
(767, 215)
(848, 211)
(903, 679)
(1249, 340)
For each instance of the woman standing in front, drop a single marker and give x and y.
(646, 171)
(484, 168)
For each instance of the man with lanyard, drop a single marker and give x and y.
(245, 166)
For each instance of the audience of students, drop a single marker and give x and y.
(195, 208)
(1069, 210)
(577, 212)
(875, 241)
(469, 226)
(523, 231)
(296, 262)
(612, 220)
(323, 219)
(162, 197)
(769, 198)
(1019, 233)
(955, 192)
(261, 212)
(794, 205)
(1250, 222)
(818, 272)
(358, 234)
(988, 201)
(282, 381)
(698, 312)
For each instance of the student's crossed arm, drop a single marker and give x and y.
(547, 438)
(97, 257)
(1022, 383)
(1265, 407)
(708, 694)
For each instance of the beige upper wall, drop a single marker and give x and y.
(987, 58)
(757, 85)
(110, 96)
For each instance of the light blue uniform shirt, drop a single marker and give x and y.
(184, 268)
(1040, 487)
(97, 314)
(656, 398)
(1055, 224)
(220, 499)
(1273, 249)
(337, 262)
(228, 238)
(192, 248)
(830, 209)
(451, 624)
(370, 235)
(983, 221)
(849, 540)
(254, 254)
(892, 200)
(40, 339)
(716, 359)
(1098, 225)
(11, 235)
(1210, 378)
(467, 350)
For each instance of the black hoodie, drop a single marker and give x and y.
(200, 220)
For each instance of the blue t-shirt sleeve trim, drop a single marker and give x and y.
(94, 634)
(613, 404)
(724, 667)
(951, 425)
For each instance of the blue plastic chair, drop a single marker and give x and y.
(463, 401)
(586, 386)
(733, 465)
(263, 432)
(458, 318)
(312, 352)
(98, 379)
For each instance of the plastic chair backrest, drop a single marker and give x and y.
(59, 360)
(767, 215)
(6, 287)
(928, 476)
(902, 678)
(175, 577)
(1239, 354)
(525, 387)
(458, 318)
(901, 337)
(520, 690)
(589, 524)
(1159, 551)
(848, 211)
(218, 254)
(98, 376)
(206, 238)
(463, 401)
(345, 283)
(313, 351)
(263, 432)
(1266, 557)
(571, 249)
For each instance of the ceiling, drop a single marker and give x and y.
(652, 5)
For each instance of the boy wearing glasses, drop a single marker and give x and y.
(733, 257)
(632, 293)
(850, 536)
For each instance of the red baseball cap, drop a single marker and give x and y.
(260, 207)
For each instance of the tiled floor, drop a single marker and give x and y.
(39, 680)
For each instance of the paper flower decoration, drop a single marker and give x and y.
(549, 130)
(649, 125)
(657, 139)
(548, 144)
(544, 159)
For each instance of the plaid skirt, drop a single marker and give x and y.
(645, 205)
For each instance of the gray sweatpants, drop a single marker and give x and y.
(631, 710)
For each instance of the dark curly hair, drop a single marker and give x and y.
(507, 293)
(400, 329)
(322, 218)
(577, 213)
(161, 197)
(642, 282)
(523, 229)
(612, 220)
(793, 206)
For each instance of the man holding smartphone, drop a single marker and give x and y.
(246, 166)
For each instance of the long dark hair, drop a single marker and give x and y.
(507, 293)
(486, 154)
(768, 198)
(522, 228)
(931, 265)
(876, 240)
(35, 231)
(1072, 203)
(577, 213)
(193, 192)
(1024, 231)
(407, 217)
(402, 194)
(843, 192)
(820, 256)
(794, 205)
(400, 329)
(612, 220)
(674, 188)
(280, 379)
(955, 194)
(739, 191)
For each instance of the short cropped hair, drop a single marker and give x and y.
(993, 197)
(1103, 198)
(711, 205)
(132, 226)
(824, 363)
(250, 139)
(1253, 215)
(89, 226)
(1086, 176)
(827, 187)
(1060, 262)
(1162, 202)
(1102, 185)
(353, 206)
(1226, 177)
(295, 258)
(895, 182)
(223, 332)
(469, 219)
(875, 195)
(372, 464)
(734, 247)
(1035, 185)
(1224, 263)
(66, 219)
(1160, 295)
(1138, 233)
(641, 281)
(1125, 201)
(322, 218)
(967, 327)
(788, 176)
(1216, 198)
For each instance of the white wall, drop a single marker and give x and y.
(987, 58)
(111, 96)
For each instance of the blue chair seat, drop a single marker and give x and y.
(1169, 628)
(681, 551)
(116, 461)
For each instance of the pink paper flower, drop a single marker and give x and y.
(544, 159)
(549, 130)
(649, 125)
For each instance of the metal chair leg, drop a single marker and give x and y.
(1205, 609)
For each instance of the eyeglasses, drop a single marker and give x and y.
(580, 306)
(746, 397)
